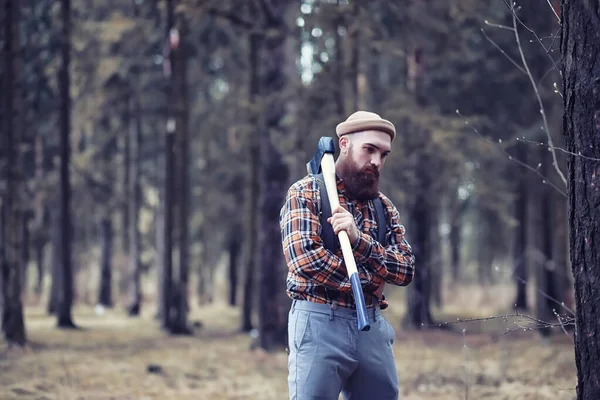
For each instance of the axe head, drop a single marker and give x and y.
(324, 146)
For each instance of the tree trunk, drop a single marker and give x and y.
(24, 254)
(167, 226)
(159, 256)
(418, 313)
(580, 49)
(105, 290)
(457, 211)
(180, 323)
(488, 228)
(39, 227)
(353, 70)
(253, 187)
(65, 298)
(13, 325)
(125, 209)
(273, 307)
(234, 252)
(561, 247)
(418, 296)
(548, 298)
(56, 261)
(520, 249)
(340, 63)
(205, 289)
(134, 200)
(39, 245)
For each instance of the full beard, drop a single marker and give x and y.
(360, 184)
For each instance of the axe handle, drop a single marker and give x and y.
(328, 168)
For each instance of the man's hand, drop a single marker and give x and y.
(342, 220)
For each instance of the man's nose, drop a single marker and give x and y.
(376, 161)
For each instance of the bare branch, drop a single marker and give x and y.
(512, 9)
(518, 320)
(508, 28)
(502, 51)
(560, 303)
(559, 148)
(539, 98)
(545, 180)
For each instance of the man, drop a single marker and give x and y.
(327, 353)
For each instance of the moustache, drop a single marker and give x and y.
(371, 170)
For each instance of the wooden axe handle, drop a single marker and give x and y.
(328, 168)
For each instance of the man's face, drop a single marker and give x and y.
(364, 154)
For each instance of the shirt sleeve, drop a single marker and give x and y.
(303, 247)
(394, 262)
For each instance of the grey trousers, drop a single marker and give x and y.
(329, 356)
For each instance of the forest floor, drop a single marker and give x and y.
(116, 357)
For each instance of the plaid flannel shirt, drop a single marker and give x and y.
(316, 274)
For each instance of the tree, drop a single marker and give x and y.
(65, 294)
(274, 176)
(13, 324)
(580, 49)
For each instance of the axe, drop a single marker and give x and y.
(323, 162)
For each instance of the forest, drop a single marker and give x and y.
(146, 148)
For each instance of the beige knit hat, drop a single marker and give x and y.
(365, 120)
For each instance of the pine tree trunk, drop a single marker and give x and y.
(357, 99)
(180, 306)
(548, 298)
(273, 305)
(253, 188)
(24, 254)
(485, 252)
(169, 187)
(105, 290)
(520, 249)
(580, 49)
(340, 64)
(39, 228)
(134, 201)
(39, 245)
(561, 240)
(234, 252)
(126, 151)
(56, 260)
(418, 314)
(160, 245)
(65, 295)
(457, 210)
(13, 325)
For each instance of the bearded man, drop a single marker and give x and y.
(328, 355)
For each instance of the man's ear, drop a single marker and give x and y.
(344, 141)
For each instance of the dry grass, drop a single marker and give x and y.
(109, 360)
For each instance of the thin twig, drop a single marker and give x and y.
(508, 28)
(561, 324)
(545, 180)
(539, 99)
(560, 303)
(512, 9)
(559, 148)
(509, 58)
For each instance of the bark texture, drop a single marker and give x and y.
(580, 49)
